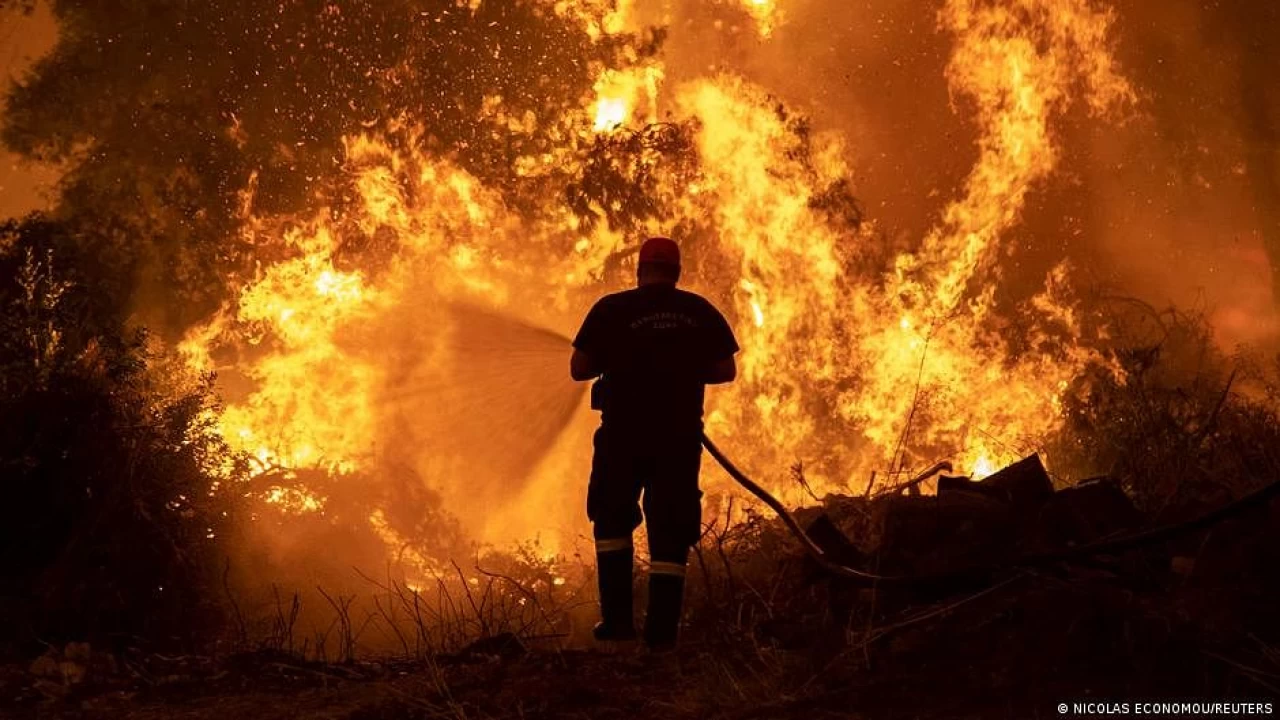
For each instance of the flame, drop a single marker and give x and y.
(599, 18)
(621, 92)
(765, 13)
(299, 304)
(294, 500)
(1016, 63)
(982, 467)
(847, 363)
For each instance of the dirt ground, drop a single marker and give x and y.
(1014, 650)
(1191, 619)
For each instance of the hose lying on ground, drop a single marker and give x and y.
(1101, 547)
(810, 546)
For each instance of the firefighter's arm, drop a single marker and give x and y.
(582, 366)
(723, 346)
(723, 371)
(590, 343)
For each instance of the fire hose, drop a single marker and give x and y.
(1101, 547)
(813, 549)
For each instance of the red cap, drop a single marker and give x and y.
(660, 250)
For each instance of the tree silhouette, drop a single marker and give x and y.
(107, 520)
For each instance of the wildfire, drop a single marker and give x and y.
(600, 18)
(622, 93)
(1017, 63)
(300, 305)
(861, 370)
(765, 13)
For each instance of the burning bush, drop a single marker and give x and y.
(1189, 426)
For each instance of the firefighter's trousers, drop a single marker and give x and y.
(656, 472)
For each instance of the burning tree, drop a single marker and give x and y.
(171, 120)
(325, 205)
(327, 170)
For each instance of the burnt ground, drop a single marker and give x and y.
(768, 634)
(1011, 670)
(1015, 649)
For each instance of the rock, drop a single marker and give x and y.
(72, 672)
(46, 666)
(1183, 565)
(80, 652)
(69, 666)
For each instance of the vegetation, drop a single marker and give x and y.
(177, 119)
(107, 521)
(116, 523)
(108, 502)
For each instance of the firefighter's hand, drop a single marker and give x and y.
(582, 366)
(597, 395)
(722, 372)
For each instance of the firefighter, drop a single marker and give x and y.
(652, 351)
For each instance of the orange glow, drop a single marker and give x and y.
(766, 14)
(622, 94)
(885, 371)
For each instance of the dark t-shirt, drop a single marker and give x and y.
(655, 344)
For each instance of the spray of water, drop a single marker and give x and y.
(500, 398)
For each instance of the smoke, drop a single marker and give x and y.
(965, 147)
(1257, 30)
(873, 72)
(1176, 206)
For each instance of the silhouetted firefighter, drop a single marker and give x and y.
(654, 349)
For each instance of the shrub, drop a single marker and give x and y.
(107, 520)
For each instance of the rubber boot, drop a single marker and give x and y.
(613, 570)
(662, 620)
